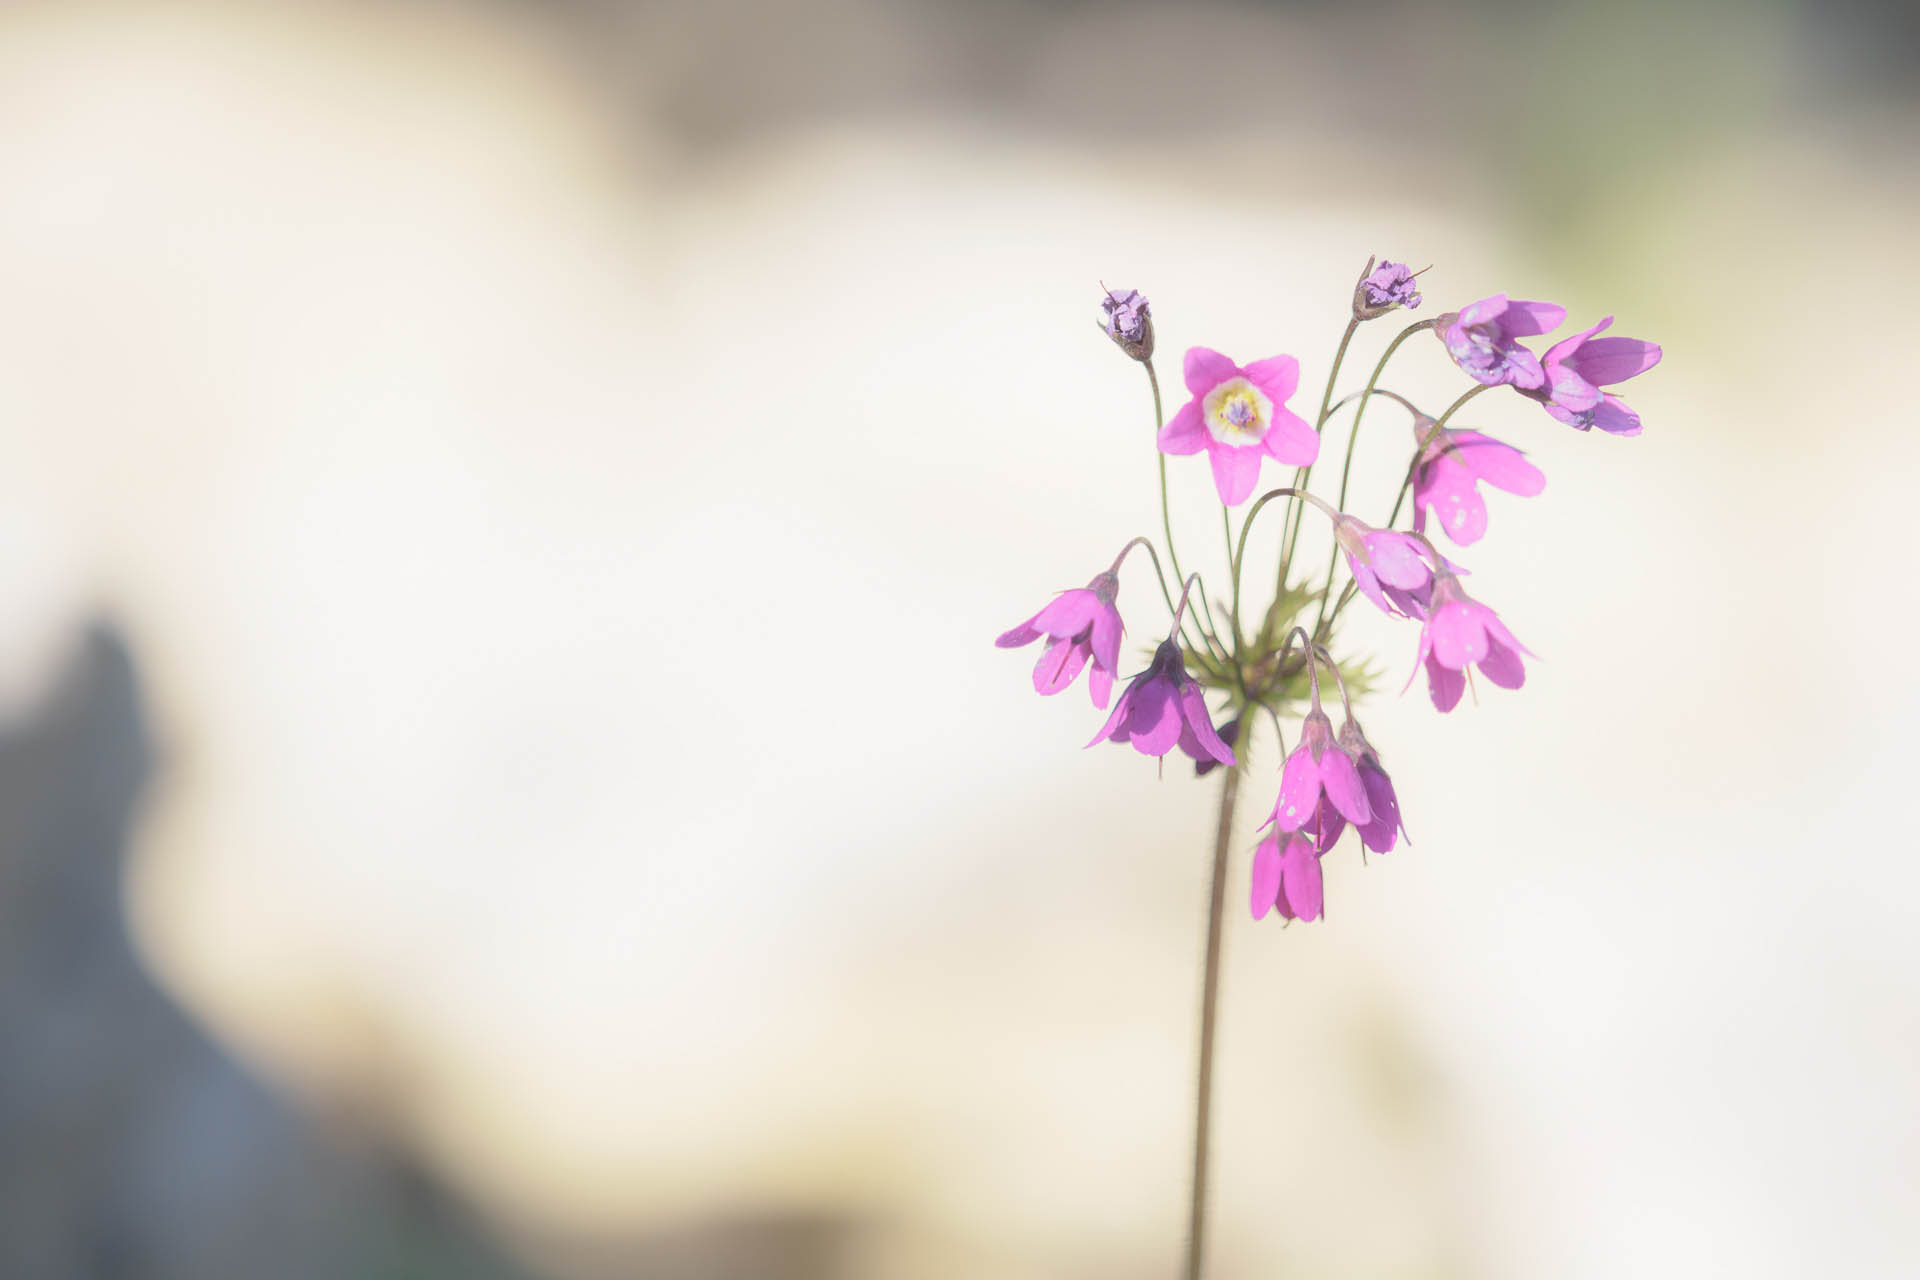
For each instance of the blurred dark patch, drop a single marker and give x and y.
(748, 1246)
(130, 1144)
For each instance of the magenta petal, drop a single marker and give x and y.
(1266, 876)
(1207, 369)
(1185, 432)
(1503, 666)
(1070, 614)
(1290, 440)
(1024, 634)
(1235, 471)
(1613, 416)
(1155, 722)
(1459, 635)
(1609, 360)
(1059, 663)
(1278, 376)
(1397, 560)
(1458, 506)
(1193, 706)
(1380, 833)
(1342, 782)
(1369, 585)
(1105, 638)
(1444, 685)
(1525, 318)
(1300, 881)
(1523, 368)
(1482, 311)
(1299, 790)
(1498, 463)
(1116, 726)
(1100, 684)
(1325, 828)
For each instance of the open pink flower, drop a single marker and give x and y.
(1317, 769)
(1239, 416)
(1287, 880)
(1162, 708)
(1483, 339)
(1451, 468)
(1387, 566)
(1380, 831)
(1577, 368)
(1462, 631)
(1079, 624)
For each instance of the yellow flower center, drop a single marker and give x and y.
(1237, 412)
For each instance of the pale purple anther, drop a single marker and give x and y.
(1287, 880)
(1387, 566)
(1162, 707)
(1483, 339)
(1460, 631)
(1452, 465)
(1079, 624)
(1578, 367)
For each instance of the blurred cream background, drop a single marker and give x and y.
(560, 471)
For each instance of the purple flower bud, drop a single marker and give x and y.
(1381, 290)
(1128, 322)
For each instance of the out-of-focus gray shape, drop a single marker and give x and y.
(130, 1144)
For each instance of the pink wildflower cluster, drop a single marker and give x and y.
(1273, 659)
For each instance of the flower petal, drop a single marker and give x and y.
(1608, 360)
(1397, 560)
(1326, 827)
(1498, 463)
(1524, 318)
(1266, 877)
(1070, 614)
(1299, 790)
(1155, 722)
(1024, 634)
(1503, 666)
(1185, 432)
(1459, 634)
(1342, 783)
(1059, 663)
(1278, 376)
(1193, 708)
(1116, 726)
(1107, 630)
(1300, 883)
(1457, 504)
(1290, 440)
(1207, 369)
(1100, 684)
(1235, 471)
(1444, 685)
(1369, 585)
(1379, 834)
(1614, 417)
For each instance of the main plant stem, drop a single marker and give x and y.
(1209, 1002)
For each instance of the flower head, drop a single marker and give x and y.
(1379, 832)
(1452, 465)
(1163, 707)
(1128, 322)
(1079, 624)
(1382, 289)
(1387, 566)
(1460, 631)
(1483, 339)
(1239, 416)
(1287, 880)
(1578, 367)
(1319, 769)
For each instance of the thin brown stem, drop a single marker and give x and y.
(1209, 1002)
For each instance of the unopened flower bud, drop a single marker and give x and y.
(1384, 289)
(1128, 322)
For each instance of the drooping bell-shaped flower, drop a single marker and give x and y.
(1380, 831)
(1287, 879)
(1319, 768)
(1163, 707)
(1452, 466)
(1240, 416)
(1578, 367)
(1483, 339)
(1387, 566)
(1460, 631)
(1080, 624)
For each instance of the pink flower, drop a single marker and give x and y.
(1459, 631)
(1379, 832)
(1318, 768)
(1163, 707)
(1482, 338)
(1239, 416)
(1452, 466)
(1577, 368)
(1387, 566)
(1079, 624)
(1287, 881)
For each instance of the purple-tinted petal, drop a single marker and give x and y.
(1207, 369)
(1059, 663)
(1326, 826)
(1482, 311)
(1299, 790)
(1290, 440)
(1412, 604)
(1608, 360)
(1154, 724)
(1185, 432)
(1397, 560)
(1278, 376)
(1369, 585)
(1116, 726)
(1100, 684)
(1070, 614)
(1300, 884)
(1105, 637)
(1498, 463)
(1613, 416)
(1523, 368)
(1524, 318)
(1457, 504)
(1379, 834)
(1266, 876)
(1502, 666)
(1024, 634)
(1459, 635)
(1444, 685)
(1235, 471)
(1193, 708)
(1342, 783)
